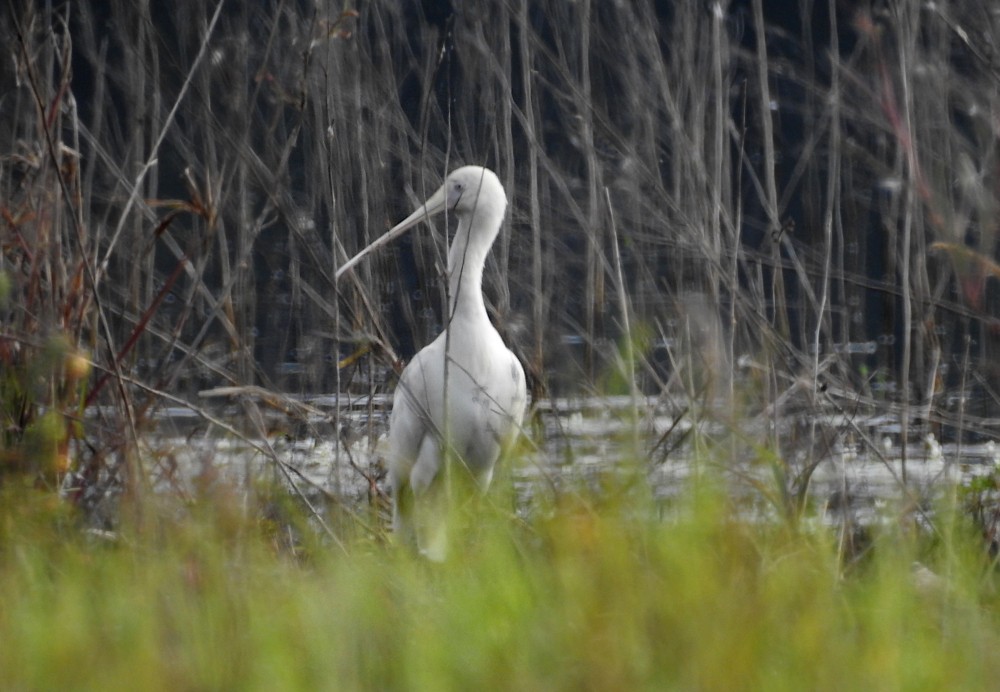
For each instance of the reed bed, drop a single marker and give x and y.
(771, 226)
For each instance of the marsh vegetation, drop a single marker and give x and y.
(750, 257)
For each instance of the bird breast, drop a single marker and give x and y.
(482, 403)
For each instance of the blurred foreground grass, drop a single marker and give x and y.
(586, 595)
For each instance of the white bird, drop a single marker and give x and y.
(461, 400)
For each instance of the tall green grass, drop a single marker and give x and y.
(177, 186)
(582, 595)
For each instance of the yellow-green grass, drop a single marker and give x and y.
(587, 594)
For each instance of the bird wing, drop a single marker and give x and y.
(518, 402)
(412, 418)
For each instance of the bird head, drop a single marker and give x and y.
(469, 191)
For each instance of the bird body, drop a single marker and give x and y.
(461, 399)
(476, 419)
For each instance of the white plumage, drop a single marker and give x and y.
(478, 415)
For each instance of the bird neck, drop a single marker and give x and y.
(466, 259)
